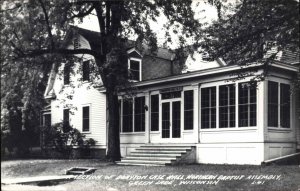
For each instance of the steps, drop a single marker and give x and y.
(156, 155)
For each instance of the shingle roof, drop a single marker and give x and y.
(163, 53)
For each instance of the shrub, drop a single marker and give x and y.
(63, 137)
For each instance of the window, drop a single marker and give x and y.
(154, 112)
(86, 71)
(208, 107)
(272, 104)
(171, 95)
(47, 120)
(227, 106)
(133, 115)
(188, 110)
(134, 67)
(67, 74)
(139, 114)
(247, 105)
(127, 115)
(284, 105)
(85, 118)
(278, 105)
(66, 116)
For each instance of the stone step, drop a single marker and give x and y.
(150, 158)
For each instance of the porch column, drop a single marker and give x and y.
(147, 117)
(196, 112)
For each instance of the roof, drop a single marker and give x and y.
(163, 53)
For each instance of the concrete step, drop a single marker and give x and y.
(138, 164)
(146, 161)
(164, 148)
(169, 155)
(158, 152)
(150, 158)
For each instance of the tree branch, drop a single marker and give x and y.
(48, 24)
(83, 14)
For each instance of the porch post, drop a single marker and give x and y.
(196, 112)
(147, 117)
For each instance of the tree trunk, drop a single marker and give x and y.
(113, 146)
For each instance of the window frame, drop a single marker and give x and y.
(89, 118)
(140, 68)
(279, 104)
(132, 116)
(186, 110)
(210, 107)
(86, 63)
(155, 112)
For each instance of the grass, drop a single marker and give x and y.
(289, 176)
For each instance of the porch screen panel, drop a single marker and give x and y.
(176, 119)
(154, 112)
(139, 114)
(247, 104)
(127, 117)
(272, 104)
(165, 120)
(227, 106)
(188, 110)
(208, 107)
(285, 105)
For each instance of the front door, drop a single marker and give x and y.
(171, 119)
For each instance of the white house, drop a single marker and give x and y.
(201, 116)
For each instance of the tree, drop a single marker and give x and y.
(37, 29)
(240, 37)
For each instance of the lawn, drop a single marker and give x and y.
(184, 177)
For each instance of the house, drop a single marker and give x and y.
(204, 113)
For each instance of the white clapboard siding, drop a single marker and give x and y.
(83, 94)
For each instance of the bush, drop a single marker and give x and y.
(64, 138)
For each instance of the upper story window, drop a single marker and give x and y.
(135, 69)
(67, 74)
(278, 105)
(86, 70)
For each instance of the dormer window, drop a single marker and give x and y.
(135, 69)
(86, 70)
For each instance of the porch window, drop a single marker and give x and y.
(227, 106)
(127, 115)
(154, 112)
(188, 110)
(139, 114)
(284, 105)
(208, 107)
(134, 67)
(86, 70)
(133, 115)
(85, 118)
(272, 104)
(278, 105)
(247, 105)
(67, 68)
